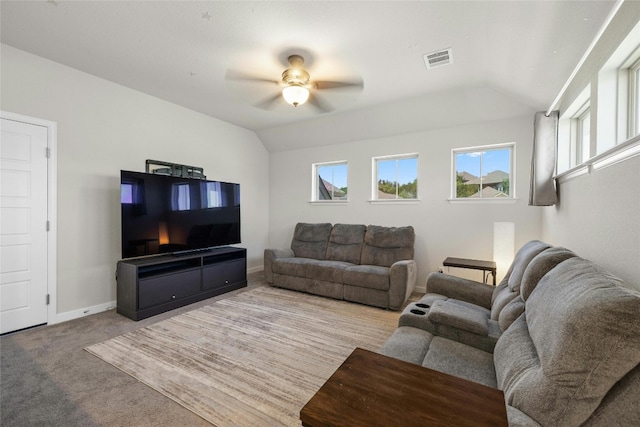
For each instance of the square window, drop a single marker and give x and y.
(396, 177)
(330, 181)
(483, 172)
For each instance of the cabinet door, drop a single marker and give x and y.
(154, 291)
(223, 274)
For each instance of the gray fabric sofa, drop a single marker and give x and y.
(370, 265)
(568, 353)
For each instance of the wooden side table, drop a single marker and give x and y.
(370, 389)
(474, 264)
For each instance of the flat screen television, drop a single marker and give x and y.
(167, 214)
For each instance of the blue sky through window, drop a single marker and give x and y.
(407, 170)
(492, 160)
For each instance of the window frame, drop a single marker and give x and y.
(315, 175)
(512, 196)
(634, 97)
(374, 177)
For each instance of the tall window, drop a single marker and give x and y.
(396, 177)
(484, 172)
(330, 181)
(582, 129)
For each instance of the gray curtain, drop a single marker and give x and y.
(542, 190)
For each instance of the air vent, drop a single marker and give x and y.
(438, 58)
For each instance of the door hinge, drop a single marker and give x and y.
(48, 298)
(47, 153)
(47, 226)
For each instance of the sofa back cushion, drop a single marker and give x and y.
(520, 262)
(345, 243)
(540, 265)
(578, 336)
(310, 240)
(384, 246)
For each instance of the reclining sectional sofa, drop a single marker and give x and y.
(559, 335)
(370, 265)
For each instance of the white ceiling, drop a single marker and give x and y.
(509, 58)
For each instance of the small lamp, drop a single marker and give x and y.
(295, 94)
(503, 246)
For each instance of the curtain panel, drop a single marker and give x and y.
(542, 189)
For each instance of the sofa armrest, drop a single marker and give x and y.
(402, 280)
(459, 288)
(271, 255)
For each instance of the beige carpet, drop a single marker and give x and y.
(251, 360)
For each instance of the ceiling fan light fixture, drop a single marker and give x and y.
(295, 94)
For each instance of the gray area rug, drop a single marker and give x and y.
(251, 360)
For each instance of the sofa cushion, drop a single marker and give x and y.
(310, 240)
(345, 243)
(386, 245)
(522, 259)
(367, 276)
(459, 316)
(579, 335)
(408, 344)
(329, 271)
(460, 360)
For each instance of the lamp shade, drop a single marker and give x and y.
(295, 95)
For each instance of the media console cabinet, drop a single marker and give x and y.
(150, 286)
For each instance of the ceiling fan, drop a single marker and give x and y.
(296, 86)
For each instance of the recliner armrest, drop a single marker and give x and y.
(271, 255)
(459, 316)
(402, 280)
(459, 288)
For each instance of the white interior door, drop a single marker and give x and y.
(23, 225)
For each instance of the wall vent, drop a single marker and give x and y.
(438, 58)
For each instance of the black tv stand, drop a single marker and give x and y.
(150, 286)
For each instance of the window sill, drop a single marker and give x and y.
(497, 200)
(395, 202)
(328, 202)
(617, 154)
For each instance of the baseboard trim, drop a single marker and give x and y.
(76, 314)
(255, 269)
(420, 289)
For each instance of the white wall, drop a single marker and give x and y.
(598, 218)
(103, 128)
(442, 229)
(597, 214)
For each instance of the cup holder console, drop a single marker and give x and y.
(421, 305)
(418, 312)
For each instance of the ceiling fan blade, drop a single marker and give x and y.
(269, 103)
(356, 84)
(317, 102)
(240, 76)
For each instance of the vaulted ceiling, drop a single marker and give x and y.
(508, 57)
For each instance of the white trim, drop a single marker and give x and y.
(486, 200)
(615, 155)
(82, 312)
(328, 202)
(52, 198)
(395, 201)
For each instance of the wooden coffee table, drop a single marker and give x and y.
(370, 389)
